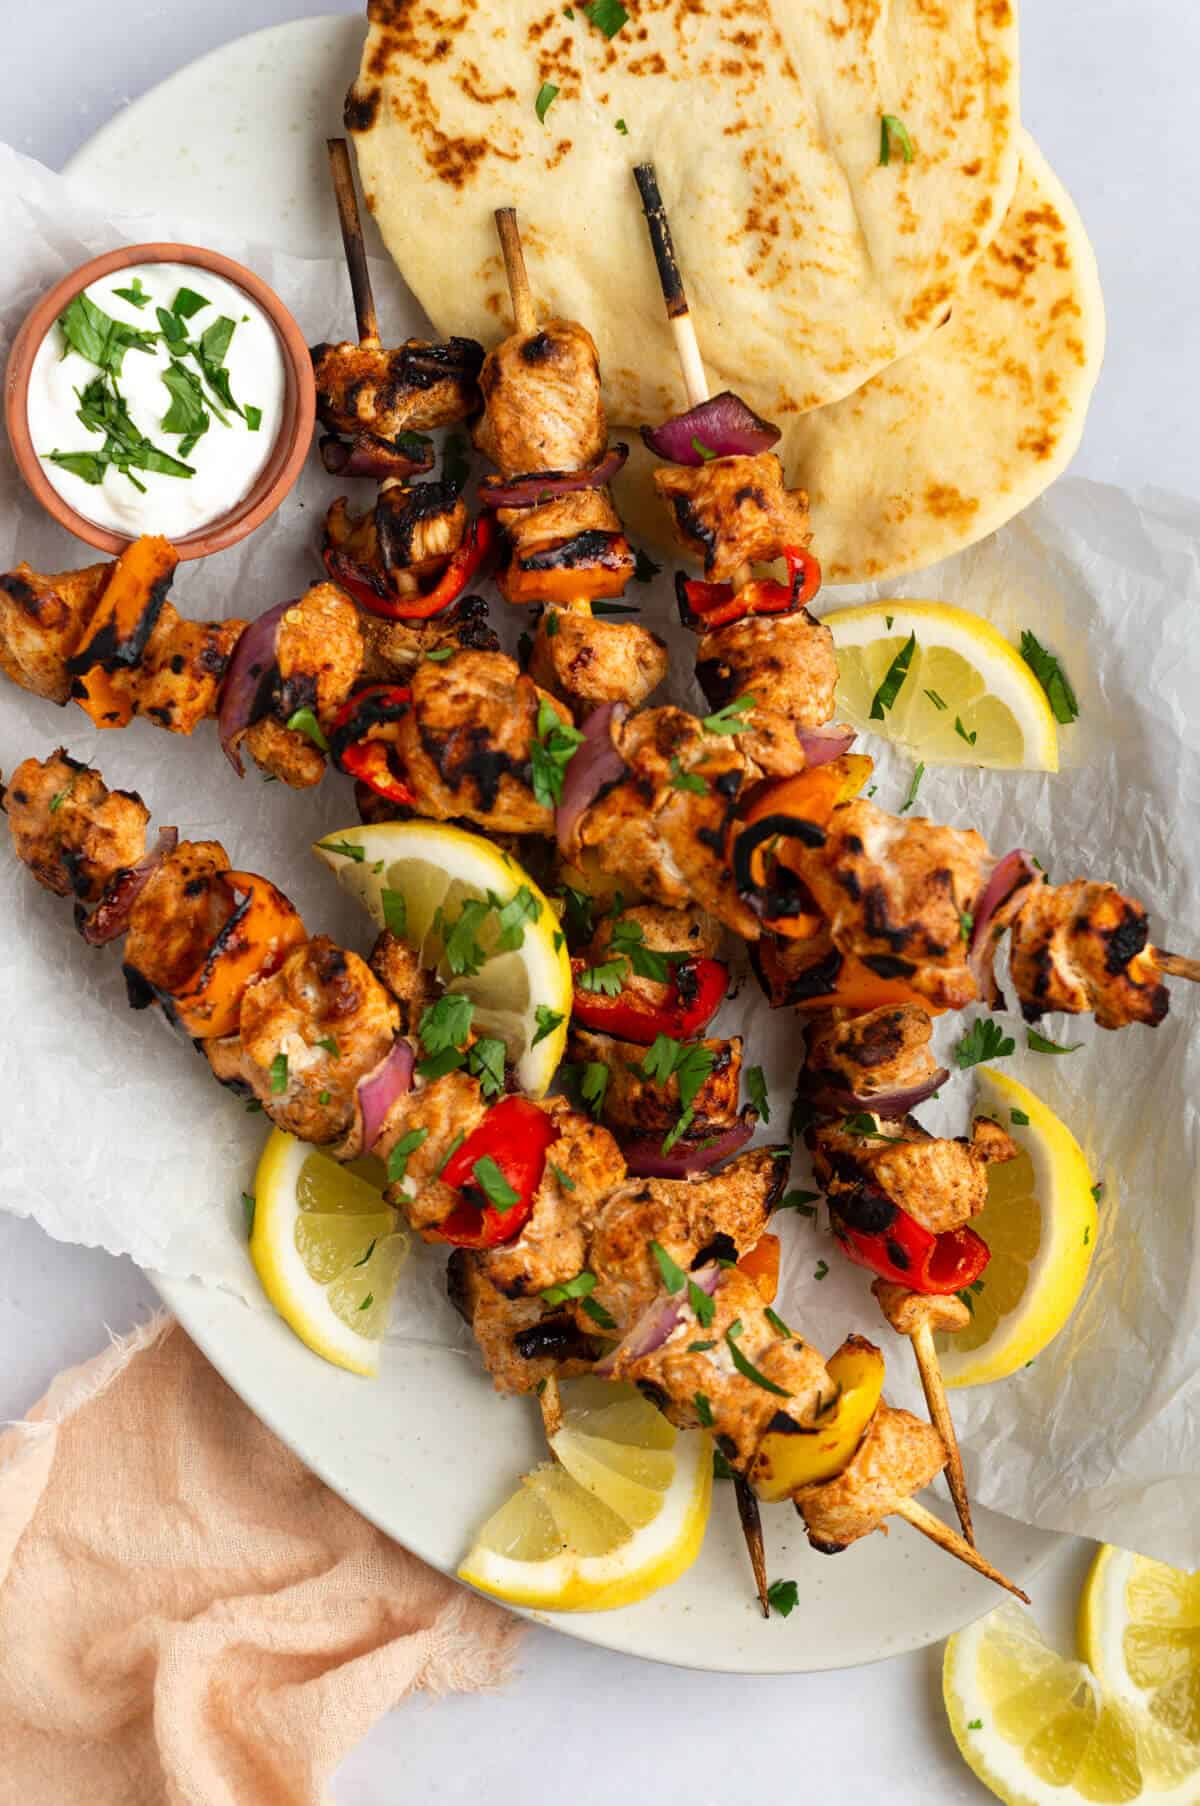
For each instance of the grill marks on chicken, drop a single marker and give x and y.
(588, 662)
(637, 1105)
(941, 1183)
(1083, 946)
(42, 622)
(541, 394)
(73, 833)
(786, 662)
(880, 1051)
(729, 512)
(898, 1456)
(412, 388)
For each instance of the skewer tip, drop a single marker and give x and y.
(934, 1388)
(752, 1530)
(955, 1545)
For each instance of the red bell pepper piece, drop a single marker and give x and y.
(373, 592)
(515, 1134)
(708, 605)
(697, 990)
(908, 1254)
(363, 737)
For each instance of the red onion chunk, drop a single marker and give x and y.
(835, 1100)
(1010, 877)
(656, 1323)
(366, 456)
(110, 917)
(390, 1080)
(595, 765)
(645, 1159)
(721, 427)
(821, 744)
(544, 485)
(247, 684)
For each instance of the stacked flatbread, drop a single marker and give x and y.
(927, 332)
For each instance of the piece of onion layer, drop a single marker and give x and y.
(246, 690)
(721, 427)
(595, 766)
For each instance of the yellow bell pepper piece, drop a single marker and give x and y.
(789, 1459)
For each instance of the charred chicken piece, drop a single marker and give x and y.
(447, 1110)
(413, 388)
(941, 1183)
(687, 932)
(729, 512)
(588, 662)
(396, 965)
(586, 1168)
(523, 1344)
(42, 620)
(787, 663)
(411, 533)
(393, 649)
(178, 916)
(541, 391)
(319, 651)
(635, 1104)
(884, 1050)
(909, 1312)
(73, 833)
(466, 743)
(898, 1456)
(899, 895)
(570, 548)
(1083, 946)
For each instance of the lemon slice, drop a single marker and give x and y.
(621, 1513)
(436, 869)
(327, 1249)
(963, 674)
(1040, 1224)
(1139, 1627)
(1038, 1729)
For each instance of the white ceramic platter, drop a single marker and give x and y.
(237, 140)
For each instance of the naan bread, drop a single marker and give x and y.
(809, 265)
(952, 441)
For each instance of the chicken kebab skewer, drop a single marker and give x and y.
(319, 1038)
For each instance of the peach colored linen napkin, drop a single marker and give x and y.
(187, 1615)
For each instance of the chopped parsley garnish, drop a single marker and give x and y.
(607, 16)
(397, 1160)
(673, 1275)
(323, 1097)
(303, 721)
(690, 1064)
(783, 1596)
(371, 1246)
(935, 699)
(579, 1287)
(367, 1302)
(486, 1061)
(279, 1074)
(593, 1084)
(547, 94)
(984, 1040)
(962, 733)
(627, 941)
(395, 911)
(547, 1021)
(465, 954)
(893, 679)
(99, 338)
(606, 978)
(254, 417)
(624, 131)
(438, 655)
(703, 1306)
(746, 1367)
(102, 409)
(1097, 1190)
(346, 849)
(804, 1201)
(451, 1151)
(729, 719)
(822, 1269)
(329, 1043)
(913, 787)
(58, 799)
(701, 1347)
(559, 939)
(598, 1314)
(494, 1186)
(1040, 1044)
(893, 133)
(703, 1410)
(249, 1202)
(777, 1324)
(579, 913)
(756, 1086)
(446, 1023)
(1019, 1117)
(551, 753)
(138, 297)
(564, 1179)
(187, 302)
(1052, 677)
(456, 463)
(644, 569)
(1087, 1234)
(686, 780)
(974, 1724)
(187, 415)
(512, 916)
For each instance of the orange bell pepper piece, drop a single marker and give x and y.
(587, 568)
(102, 696)
(785, 810)
(761, 1264)
(858, 990)
(130, 604)
(254, 942)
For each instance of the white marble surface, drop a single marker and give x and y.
(1107, 91)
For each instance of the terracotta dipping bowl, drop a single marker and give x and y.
(292, 442)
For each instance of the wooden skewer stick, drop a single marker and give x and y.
(1177, 966)
(514, 268)
(953, 1544)
(550, 1400)
(752, 1530)
(352, 239)
(939, 1410)
(691, 364)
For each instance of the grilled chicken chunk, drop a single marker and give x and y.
(320, 994)
(637, 1105)
(898, 1456)
(733, 511)
(883, 1050)
(898, 894)
(284, 753)
(413, 388)
(563, 517)
(466, 743)
(393, 649)
(176, 683)
(553, 1245)
(319, 651)
(523, 1344)
(410, 533)
(588, 661)
(689, 932)
(786, 663)
(940, 1183)
(541, 391)
(447, 1110)
(72, 832)
(907, 1312)
(1083, 946)
(693, 1220)
(42, 621)
(395, 964)
(177, 917)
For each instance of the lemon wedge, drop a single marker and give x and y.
(968, 697)
(327, 1249)
(1040, 1224)
(620, 1513)
(416, 876)
(1039, 1730)
(1139, 1627)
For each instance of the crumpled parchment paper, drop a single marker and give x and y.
(113, 1135)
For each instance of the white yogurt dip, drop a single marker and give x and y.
(111, 478)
